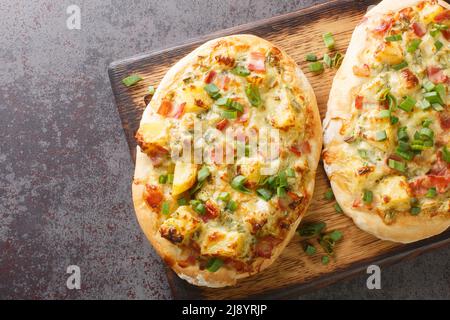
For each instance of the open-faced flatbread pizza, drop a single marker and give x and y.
(387, 139)
(215, 221)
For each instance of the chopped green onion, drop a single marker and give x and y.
(325, 260)
(384, 114)
(402, 134)
(407, 104)
(427, 122)
(200, 208)
(309, 230)
(131, 80)
(440, 89)
(310, 250)
(282, 181)
(290, 172)
(162, 179)
(253, 95)
(394, 119)
(433, 97)
(311, 57)
(316, 67)
(328, 40)
(397, 165)
(238, 184)
(214, 264)
(337, 60)
(415, 211)
(327, 60)
(405, 154)
(446, 154)
(335, 235)
(182, 202)
(391, 101)
(329, 195)
(229, 114)
(431, 193)
(380, 135)
(440, 26)
(151, 90)
(438, 45)
(170, 178)
(224, 196)
(165, 208)
(231, 205)
(338, 208)
(413, 45)
(395, 37)
(264, 193)
(426, 133)
(281, 192)
(400, 66)
(424, 104)
(212, 90)
(437, 107)
(203, 173)
(428, 85)
(240, 71)
(368, 196)
(363, 153)
(223, 101)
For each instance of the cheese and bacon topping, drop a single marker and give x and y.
(230, 214)
(395, 154)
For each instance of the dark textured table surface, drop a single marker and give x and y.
(65, 170)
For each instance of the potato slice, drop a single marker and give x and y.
(390, 53)
(197, 99)
(184, 177)
(152, 136)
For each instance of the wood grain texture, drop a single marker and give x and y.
(294, 272)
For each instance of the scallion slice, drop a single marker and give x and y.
(224, 196)
(162, 179)
(329, 195)
(165, 208)
(414, 45)
(231, 205)
(380, 135)
(431, 193)
(384, 114)
(397, 165)
(311, 57)
(446, 154)
(407, 104)
(328, 40)
(229, 114)
(240, 71)
(367, 196)
(203, 173)
(395, 37)
(214, 264)
(253, 95)
(212, 90)
(438, 45)
(400, 66)
(316, 67)
(264, 193)
(327, 60)
(238, 184)
(131, 80)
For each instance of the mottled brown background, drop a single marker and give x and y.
(65, 169)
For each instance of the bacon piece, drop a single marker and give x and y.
(210, 76)
(222, 124)
(244, 116)
(265, 245)
(359, 102)
(227, 61)
(223, 82)
(383, 27)
(154, 196)
(410, 78)
(420, 186)
(446, 34)
(445, 15)
(444, 119)
(212, 211)
(165, 108)
(256, 62)
(363, 71)
(295, 150)
(178, 112)
(436, 75)
(419, 29)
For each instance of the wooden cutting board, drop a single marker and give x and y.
(294, 272)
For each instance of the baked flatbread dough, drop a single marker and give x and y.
(238, 220)
(386, 143)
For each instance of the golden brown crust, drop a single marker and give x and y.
(148, 219)
(406, 228)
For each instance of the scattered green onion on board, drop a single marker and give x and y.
(131, 80)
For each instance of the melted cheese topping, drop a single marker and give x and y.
(398, 135)
(210, 217)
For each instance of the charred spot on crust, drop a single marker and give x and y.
(172, 235)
